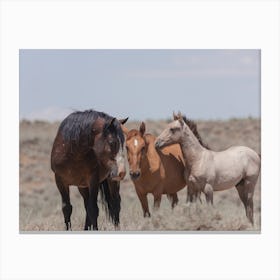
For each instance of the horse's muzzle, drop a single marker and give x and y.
(134, 175)
(158, 144)
(119, 177)
(114, 171)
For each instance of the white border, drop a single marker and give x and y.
(143, 24)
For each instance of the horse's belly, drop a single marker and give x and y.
(226, 183)
(174, 186)
(80, 175)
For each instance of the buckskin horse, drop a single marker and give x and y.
(88, 153)
(210, 171)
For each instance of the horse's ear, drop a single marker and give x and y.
(180, 117)
(110, 124)
(181, 121)
(142, 128)
(124, 129)
(112, 121)
(123, 121)
(175, 117)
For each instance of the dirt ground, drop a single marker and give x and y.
(40, 202)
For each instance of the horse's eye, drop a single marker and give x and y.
(172, 130)
(143, 150)
(113, 144)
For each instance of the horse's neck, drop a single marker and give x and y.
(190, 146)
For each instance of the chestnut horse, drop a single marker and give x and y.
(87, 153)
(155, 172)
(210, 171)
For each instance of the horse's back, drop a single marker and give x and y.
(175, 151)
(237, 161)
(253, 161)
(166, 169)
(246, 153)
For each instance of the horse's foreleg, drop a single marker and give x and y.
(92, 207)
(174, 200)
(144, 203)
(85, 194)
(66, 205)
(193, 194)
(208, 190)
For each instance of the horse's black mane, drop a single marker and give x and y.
(77, 127)
(193, 127)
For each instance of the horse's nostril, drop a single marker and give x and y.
(134, 175)
(122, 174)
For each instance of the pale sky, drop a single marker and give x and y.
(140, 84)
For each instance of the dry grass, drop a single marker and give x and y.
(40, 202)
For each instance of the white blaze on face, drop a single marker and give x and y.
(135, 142)
(121, 161)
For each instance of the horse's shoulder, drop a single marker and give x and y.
(207, 155)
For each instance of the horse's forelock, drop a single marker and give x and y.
(132, 133)
(113, 126)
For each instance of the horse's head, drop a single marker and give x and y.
(172, 134)
(118, 168)
(108, 147)
(136, 149)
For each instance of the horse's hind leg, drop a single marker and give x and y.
(245, 190)
(85, 194)
(66, 205)
(144, 202)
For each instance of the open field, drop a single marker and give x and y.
(40, 202)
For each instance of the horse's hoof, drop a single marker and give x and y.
(92, 227)
(68, 226)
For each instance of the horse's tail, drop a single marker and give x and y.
(111, 200)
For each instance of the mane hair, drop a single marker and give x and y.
(193, 127)
(77, 127)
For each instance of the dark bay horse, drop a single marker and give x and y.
(156, 171)
(87, 153)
